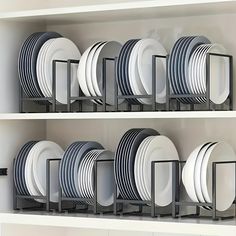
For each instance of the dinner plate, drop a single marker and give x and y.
(39, 154)
(225, 182)
(88, 146)
(135, 81)
(123, 168)
(137, 167)
(120, 70)
(21, 66)
(40, 68)
(188, 173)
(193, 44)
(88, 71)
(41, 39)
(197, 171)
(118, 163)
(147, 48)
(109, 49)
(219, 76)
(25, 66)
(69, 167)
(19, 166)
(160, 148)
(125, 65)
(131, 155)
(81, 72)
(63, 169)
(62, 49)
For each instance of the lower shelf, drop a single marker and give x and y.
(135, 224)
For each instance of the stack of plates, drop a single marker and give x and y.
(155, 148)
(197, 174)
(135, 152)
(187, 69)
(76, 172)
(30, 169)
(90, 74)
(105, 177)
(35, 65)
(134, 70)
(219, 73)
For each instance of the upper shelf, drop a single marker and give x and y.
(118, 115)
(138, 224)
(124, 11)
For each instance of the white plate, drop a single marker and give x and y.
(138, 168)
(160, 148)
(40, 68)
(219, 76)
(135, 80)
(147, 49)
(197, 172)
(88, 68)
(109, 49)
(81, 74)
(188, 173)
(41, 152)
(62, 49)
(225, 182)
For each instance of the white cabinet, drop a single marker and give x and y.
(86, 22)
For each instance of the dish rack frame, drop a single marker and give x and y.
(119, 201)
(209, 104)
(38, 206)
(129, 107)
(96, 208)
(177, 203)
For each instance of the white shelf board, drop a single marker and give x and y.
(125, 11)
(119, 115)
(138, 224)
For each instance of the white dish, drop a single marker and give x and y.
(188, 173)
(40, 68)
(219, 76)
(138, 166)
(135, 80)
(109, 49)
(81, 72)
(41, 152)
(62, 49)
(197, 172)
(88, 68)
(160, 148)
(148, 48)
(225, 182)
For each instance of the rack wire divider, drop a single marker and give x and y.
(97, 209)
(46, 198)
(209, 104)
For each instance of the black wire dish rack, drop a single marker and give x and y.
(65, 204)
(173, 101)
(38, 202)
(121, 206)
(178, 206)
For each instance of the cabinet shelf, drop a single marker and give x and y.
(124, 11)
(118, 115)
(138, 224)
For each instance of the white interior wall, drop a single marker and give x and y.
(185, 133)
(13, 35)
